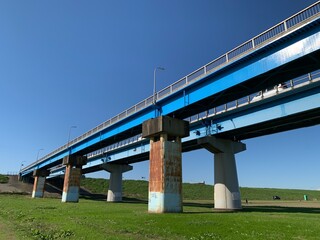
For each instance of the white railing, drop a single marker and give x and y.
(289, 25)
(252, 98)
(255, 97)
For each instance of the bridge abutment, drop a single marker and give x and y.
(165, 174)
(72, 177)
(115, 182)
(39, 182)
(226, 186)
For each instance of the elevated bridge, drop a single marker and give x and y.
(266, 85)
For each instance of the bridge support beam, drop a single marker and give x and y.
(72, 177)
(39, 182)
(226, 186)
(115, 182)
(165, 176)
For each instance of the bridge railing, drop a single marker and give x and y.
(290, 85)
(286, 26)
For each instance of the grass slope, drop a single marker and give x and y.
(4, 179)
(139, 189)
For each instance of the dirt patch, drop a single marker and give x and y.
(6, 233)
(15, 186)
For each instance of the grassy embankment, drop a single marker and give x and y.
(4, 179)
(139, 190)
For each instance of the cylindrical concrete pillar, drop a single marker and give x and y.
(226, 187)
(115, 187)
(115, 182)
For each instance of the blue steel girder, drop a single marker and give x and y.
(297, 48)
(291, 110)
(268, 66)
(272, 113)
(300, 46)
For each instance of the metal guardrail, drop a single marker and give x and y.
(252, 98)
(255, 97)
(283, 28)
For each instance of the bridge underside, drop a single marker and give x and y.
(301, 120)
(286, 72)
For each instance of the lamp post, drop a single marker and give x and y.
(69, 137)
(21, 166)
(154, 83)
(19, 176)
(38, 153)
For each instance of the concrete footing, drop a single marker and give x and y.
(72, 177)
(115, 183)
(165, 180)
(226, 186)
(39, 182)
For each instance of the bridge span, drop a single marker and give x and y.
(266, 85)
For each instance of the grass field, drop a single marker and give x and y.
(139, 189)
(91, 219)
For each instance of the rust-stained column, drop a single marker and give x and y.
(165, 180)
(115, 182)
(39, 182)
(226, 186)
(72, 177)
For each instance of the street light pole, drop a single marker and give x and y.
(154, 83)
(38, 153)
(21, 165)
(69, 137)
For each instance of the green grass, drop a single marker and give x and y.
(139, 190)
(285, 194)
(89, 219)
(4, 179)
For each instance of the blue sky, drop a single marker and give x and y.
(66, 63)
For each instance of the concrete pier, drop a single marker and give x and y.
(72, 177)
(39, 182)
(226, 185)
(115, 182)
(165, 176)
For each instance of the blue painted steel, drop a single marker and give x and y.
(274, 59)
(292, 104)
(234, 76)
(257, 62)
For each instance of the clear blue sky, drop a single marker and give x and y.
(65, 63)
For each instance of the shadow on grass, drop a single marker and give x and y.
(200, 205)
(209, 207)
(103, 197)
(93, 197)
(278, 209)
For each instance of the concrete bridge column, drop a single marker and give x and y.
(72, 177)
(226, 186)
(165, 176)
(39, 182)
(115, 182)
